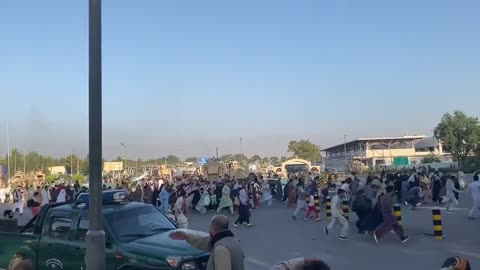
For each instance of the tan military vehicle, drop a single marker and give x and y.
(214, 168)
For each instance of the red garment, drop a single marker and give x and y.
(35, 210)
(312, 209)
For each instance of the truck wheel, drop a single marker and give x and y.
(20, 262)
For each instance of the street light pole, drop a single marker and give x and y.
(8, 155)
(345, 152)
(125, 156)
(95, 239)
(241, 151)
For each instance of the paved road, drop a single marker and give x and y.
(276, 237)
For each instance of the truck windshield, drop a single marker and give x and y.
(135, 223)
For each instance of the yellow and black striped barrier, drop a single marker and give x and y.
(316, 201)
(346, 209)
(437, 224)
(328, 207)
(397, 212)
(322, 181)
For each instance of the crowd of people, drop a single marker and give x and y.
(35, 197)
(195, 193)
(372, 199)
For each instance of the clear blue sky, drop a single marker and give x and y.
(181, 77)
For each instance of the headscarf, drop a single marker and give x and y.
(61, 195)
(456, 263)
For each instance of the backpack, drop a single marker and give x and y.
(173, 198)
(361, 203)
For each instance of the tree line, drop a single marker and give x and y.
(34, 161)
(458, 133)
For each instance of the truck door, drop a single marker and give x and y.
(80, 233)
(54, 250)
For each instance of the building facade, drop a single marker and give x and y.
(384, 152)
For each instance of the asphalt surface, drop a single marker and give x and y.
(275, 237)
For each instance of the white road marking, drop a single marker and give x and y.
(442, 208)
(259, 263)
(468, 253)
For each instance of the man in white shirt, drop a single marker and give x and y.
(337, 216)
(30, 193)
(474, 188)
(18, 201)
(45, 196)
(3, 195)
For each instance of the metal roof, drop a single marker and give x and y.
(427, 143)
(379, 139)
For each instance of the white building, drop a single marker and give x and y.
(384, 151)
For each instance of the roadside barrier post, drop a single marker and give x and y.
(397, 211)
(437, 224)
(329, 207)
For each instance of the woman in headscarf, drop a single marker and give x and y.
(136, 196)
(163, 196)
(291, 194)
(196, 195)
(425, 186)
(61, 195)
(255, 189)
(243, 208)
(266, 193)
(180, 208)
(225, 201)
(147, 194)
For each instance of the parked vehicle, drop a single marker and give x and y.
(137, 237)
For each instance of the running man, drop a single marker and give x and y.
(337, 216)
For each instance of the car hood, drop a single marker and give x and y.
(160, 246)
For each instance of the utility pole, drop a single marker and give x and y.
(95, 239)
(8, 155)
(216, 150)
(345, 152)
(24, 166)
(125, 156)
(71, 164)
(78, 166)
(241, 151)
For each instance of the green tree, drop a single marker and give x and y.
(255, 158)
(33, 160)
(431, 158)
(283, 158)
(16, 161)
(226, 157)
(172, 160)
(240, 157)
(265, 160)
(459, 134)
(304, 149)
(191, 159)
